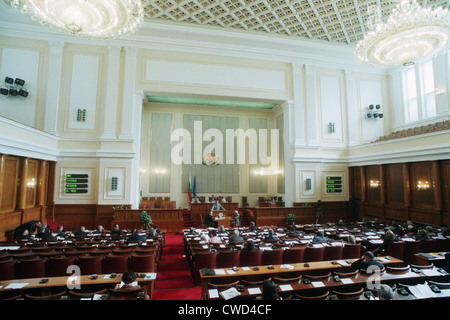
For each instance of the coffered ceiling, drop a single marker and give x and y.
(335, 21)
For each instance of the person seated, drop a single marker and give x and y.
(271, 237)
(222, 231)
(195, 200)
(129, 283)
(423, 235)
(116, 230)
(269, 291)
(100, 229)
(61, 232)
(351, 239)
(236, 238)
(292, 232)
(430, 231)
(45, 234)
(224, 200)
(319, 237)
(135, 236)
(443, 231)
(214, 238)
(250, 246)
(385, 292)
(366, 261)
(253, 226)
(209, 221)
(30, 226)
(192, 231)
(153, 232)
(81, 232)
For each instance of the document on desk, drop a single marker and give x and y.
(17, 285)
(343, 263)
(317, 284)
(430, 272)
(219, 271)
(254, 290)
(346, 280)
(286, 266)
(285, 287)
(422, 291)
(213, 293)
(246, 268)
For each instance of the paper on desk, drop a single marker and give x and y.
(285, 287)
(317, 284)
(430, 272)
(16, 285)
(422, 291)
(219, 271)
(231, 271)
(213, 293)
(343, 263)
(346, 280)
(286, 266)
(245, 268)
(254, 290)
(150, 276)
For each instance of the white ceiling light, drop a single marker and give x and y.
(99, 19)
(410, 34)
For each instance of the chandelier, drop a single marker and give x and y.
(96, 19)
(410, 34)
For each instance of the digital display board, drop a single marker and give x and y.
(76, 183)
(334, 184)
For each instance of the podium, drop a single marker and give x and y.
(222, 217)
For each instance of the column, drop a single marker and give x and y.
(312, 127)
(112, 88)
(128, 94)
(353, 112)
(53, 86)
(289, 174)
(136, 127)
(299, 115)
(23, 185)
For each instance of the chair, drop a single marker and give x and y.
(250, 258)
(351, 251)
(56, 296)
(397, 269)
(333, 253)
(314, 254)
(142, 263)
(293, 255)
(272, 257)
(320, 296)
(203, 260)
(396, 249)
(115, 263)
(348, 295)
(415, 266)
(287, 280)
(442, 244)
(80, 294)
(133, 293)
(318, 277)
(222, 286)
(90, 264)
(440, 285)
(227, 259)
(410, 249)
(33, 268)
(57, 266)
(346, 274)
(427, 245)
(7, 269)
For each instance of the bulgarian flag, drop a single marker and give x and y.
(189, 189)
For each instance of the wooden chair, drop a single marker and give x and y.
(134, 293)
(90, 264)
(351, 251)
(272, 257)
(440, 285)
(427, 245)
(203, 260)
(57, 267)
(315, 277)
(56, 296)
(287, 280)
(348, 295)
(321, 296)
(396, 249)
(228, 259)
(115, 263)
(222, 286)
(250, 258)
(33, 268)
(141, 263)
(333, 253)
(293, 255)
(409, 251)
(397, 269)
(7, 269)
(314, 254)
(80, 294)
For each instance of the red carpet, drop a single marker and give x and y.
(173, 280)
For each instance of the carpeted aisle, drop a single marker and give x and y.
(173, 280)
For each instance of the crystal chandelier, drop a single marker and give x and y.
(97, 19)
(410, 34)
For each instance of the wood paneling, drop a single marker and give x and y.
(398, 196)
(277, 216)
(9, 176)
(170, 220)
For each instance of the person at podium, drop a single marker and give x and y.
(217, 206)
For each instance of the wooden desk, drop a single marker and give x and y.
(267, 216)
(168, 219)
(424, 259)
(330, 284)
(66, 281)
(280, 270)
(199, 210)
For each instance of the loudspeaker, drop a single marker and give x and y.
(13, 92)
(19, 82)
(23, 93)
(4, 91)
(9, 80)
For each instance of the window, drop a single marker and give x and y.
(412, 109)
(429, 94)
(419, 92)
